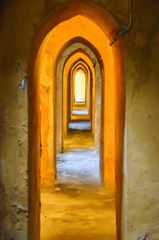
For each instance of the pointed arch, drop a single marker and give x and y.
(77, 50)
(70, 67)
(102, 26)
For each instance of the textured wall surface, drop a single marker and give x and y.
(142, 59)
(19, 21)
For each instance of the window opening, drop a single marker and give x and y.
(80, 87)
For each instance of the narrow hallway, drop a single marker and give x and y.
(63, 61)
(78, 207)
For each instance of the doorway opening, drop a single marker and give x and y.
(79, 156)
(77, 19)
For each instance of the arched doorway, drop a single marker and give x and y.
(102, 26)
(76, 50)
(74, 60)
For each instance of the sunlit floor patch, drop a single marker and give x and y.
(80, 125)
(79, 167)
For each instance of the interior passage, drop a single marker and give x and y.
(77, 207)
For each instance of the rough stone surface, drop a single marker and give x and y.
(19, 21)
(142, 119)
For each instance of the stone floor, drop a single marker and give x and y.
(77, 207)
(80, 125)
(78, 140)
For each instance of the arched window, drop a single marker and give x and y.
(80, 86)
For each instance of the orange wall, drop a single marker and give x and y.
(47, 78)
(101, 26)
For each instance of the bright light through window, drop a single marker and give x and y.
(80, 86)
